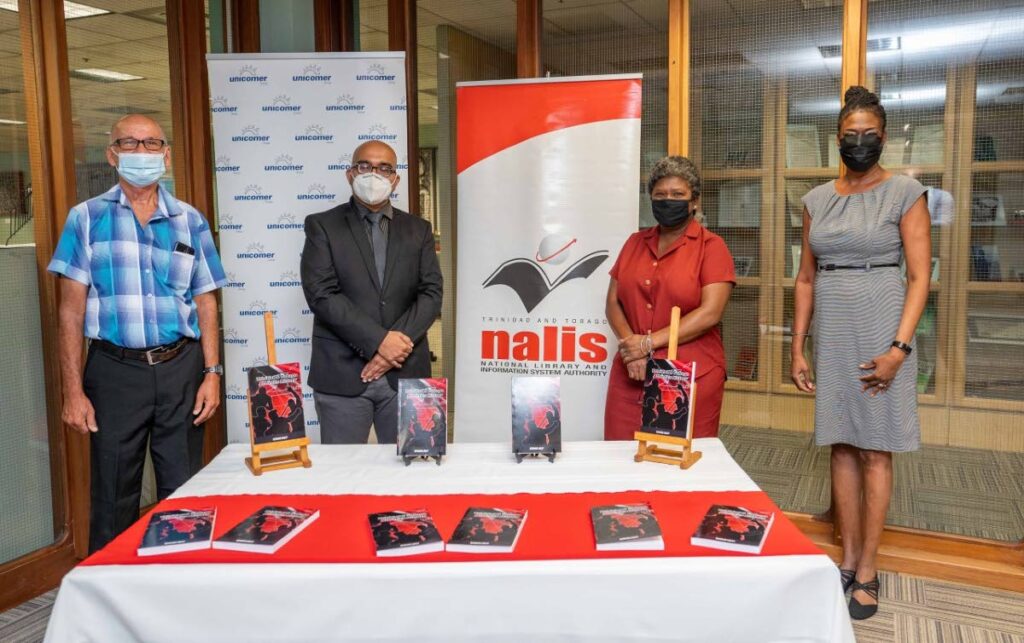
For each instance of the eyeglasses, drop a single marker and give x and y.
(365, 167)
(132, 144)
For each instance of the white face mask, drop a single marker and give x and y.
(371, 188)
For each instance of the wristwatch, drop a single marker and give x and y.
(906, 348)
(216, 369)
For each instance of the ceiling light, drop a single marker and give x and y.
(103, 75)
(7, 121)
(72, 10)
(874, 44)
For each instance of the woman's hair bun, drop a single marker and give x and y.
(858, 96)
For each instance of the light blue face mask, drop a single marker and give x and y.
(141, 170)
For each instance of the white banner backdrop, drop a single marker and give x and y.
(548, 176)
(284, 129)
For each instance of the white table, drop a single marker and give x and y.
(774, 598)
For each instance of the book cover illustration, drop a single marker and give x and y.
(275, 403)
(178, 530)
(632, 526)
(488, 530)
(668, 397)
(422, 418)
(403, 533)
(267, 530)
(536, 416)
(733, 529)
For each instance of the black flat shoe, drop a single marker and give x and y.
(858, 610)
(847, 576)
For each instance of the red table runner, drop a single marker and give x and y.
(558, 527)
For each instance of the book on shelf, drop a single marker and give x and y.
(987, 209)
(488, 531)
(796, 251)
(985, 265)
(275, 403)
(803, 147)
(795, 191)
(925, 369)
(940, 206)
(926, 145)
(422, 417)
(894, 152)
(536, 415)
(178, 530)
(668, 397)
(746, 363)
(733, 529)
(267, 530)
(405, 533)
(739, 204)
(742, 265)
(626, 527)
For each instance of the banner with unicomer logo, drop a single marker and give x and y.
(548, 171)
(284, 128)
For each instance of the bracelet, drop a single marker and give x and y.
(801, 334)
(906, 348)
(650, 344)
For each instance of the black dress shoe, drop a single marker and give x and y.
(846, 577)
(858, 610)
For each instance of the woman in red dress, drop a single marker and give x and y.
(681, 263)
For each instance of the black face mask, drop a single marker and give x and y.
(860, 151)
(670, 212)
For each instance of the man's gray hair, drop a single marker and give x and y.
(679, 166)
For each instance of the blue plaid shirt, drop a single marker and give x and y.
(141, 279)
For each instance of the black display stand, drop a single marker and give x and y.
(536, 454)
(409, 458)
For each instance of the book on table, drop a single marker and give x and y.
(178, 530)
(422, 417)
(275, 403)
(488, 531)
(626, 527)
(267, 530)
(668, 397)
(733, 529)
(536, 415)
(405, 533)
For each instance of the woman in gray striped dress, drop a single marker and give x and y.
(856, 230)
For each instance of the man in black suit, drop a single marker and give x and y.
(371, 278)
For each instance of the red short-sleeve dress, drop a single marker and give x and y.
(648, 287)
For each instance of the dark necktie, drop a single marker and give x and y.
(380, 245)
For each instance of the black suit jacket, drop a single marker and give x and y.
(352, 312)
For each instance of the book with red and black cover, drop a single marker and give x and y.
(404, 533)
(422, 417)
(178, 530)
(733, 529)
(275, 403)
(488, 531)
(267, 530)
(536, 415)
(626, 527)
(668, 397)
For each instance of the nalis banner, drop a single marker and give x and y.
(284, 129)
(548, 173)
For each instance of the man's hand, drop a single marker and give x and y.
(207, 399)
(395, 348)
(375, 368)
(79, 414)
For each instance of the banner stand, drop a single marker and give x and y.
(685, 457)
(297, 458)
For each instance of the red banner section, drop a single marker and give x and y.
(558, 527)
(514, 112)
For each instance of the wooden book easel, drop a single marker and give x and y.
(649, 445)
(258, 463)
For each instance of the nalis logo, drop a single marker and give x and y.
(282, 103)
(220, 105)
(346, 103)
(527, 276)
(248, 74)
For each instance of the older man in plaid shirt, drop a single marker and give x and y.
(139, 270)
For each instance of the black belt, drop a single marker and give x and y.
(151, 356)
(868, 266)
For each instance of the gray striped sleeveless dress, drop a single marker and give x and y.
(857, 314)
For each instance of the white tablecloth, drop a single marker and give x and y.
(721, 599)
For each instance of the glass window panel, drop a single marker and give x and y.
(740, 333)
(26, 502)
(732, 210)
(787, 339)
(372, 17)
(286, 26)
(456, 41)
(617, 37)
(997, 226)
(995, 346)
